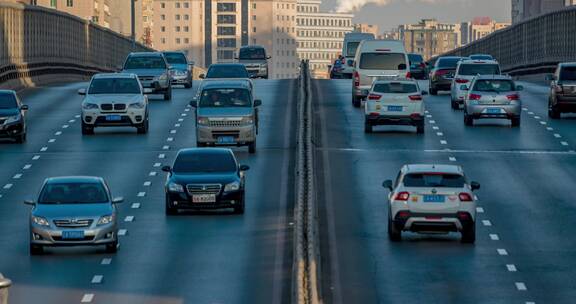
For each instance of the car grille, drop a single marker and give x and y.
(73, 223)
(203, 189)
(569, 89)
(146, 78)
(113, 107)
(226, 123)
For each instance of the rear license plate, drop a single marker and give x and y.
(204, 198)
(434, 198)
(72, 234)
(113, 117)
(226, 140)
(493, 111)
(395, 108)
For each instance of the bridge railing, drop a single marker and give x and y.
(40, 45)
(533, 46)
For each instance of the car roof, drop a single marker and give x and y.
(567, 64)
(253, 46)
(428, 168)
(114, 75)
(74, 179)
(449, 57)
(227, 65)
(172, 52)
(476, 61)
(226, 84)
(8, 92)
(221, 151)
(147, 54)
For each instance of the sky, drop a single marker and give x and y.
(388, 14)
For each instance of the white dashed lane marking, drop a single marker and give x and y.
(157, 164)
(17, 176)
(152, 173)
(77, 116)
(51, 140)
(177, 125)
(511, 267)
(563, 143)
(87, 298)
(486, 223)
(26, 167)
(502, 251)
(435, 128)
(65, 126)
(141, 194)
(536, 117)
(443, 142)
(135, 206)
(479, 209)
(557, 135)
(452, 159)
(520, 286)
(494, 237)
(172, 131)
(97, 279)
(439, 133)
(8, 186)
(43, 149)
(106, 261)
(180, 119)
(122, 232)
(530, 113)
(129, 218)
(147, 183)
(432, 121)
(165, 147)
(162, 156)
(36, 157)
(58, 133)
(170, 139)
(549, 128)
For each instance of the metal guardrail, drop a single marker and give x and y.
(37, 42)
(533, 46)
(306, 253)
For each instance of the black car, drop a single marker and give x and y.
(418, 68)
(226, 70)
(205, 178)
(12, 116)
(442, 74)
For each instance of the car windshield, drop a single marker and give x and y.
(395, 88)
(175, 58)
(568, 73)
(494, 85)
(252, 53)
(415, 58)
(227, 71)
(225, 98)
(435, 180)
(114, 86)
(205, 162)
(351, 48)
(73, 193)
(145, 62)
(448, 63)
(382, 61)
(479, 69)
(8, 101)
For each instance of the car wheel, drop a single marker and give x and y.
(356, 102)
(420, 128)
(168, 93)
(394, 234)
(468, 120)
(169, 209)
(87, 130)
(553, 112)
(36, 249)
(21, 138)
(143, 128)
(240, 208)
(188, 85)
(252, 147)
(368, 128)
(112, 247)
(433, 91)
(515, 121)
(469, 234)
(454, 105)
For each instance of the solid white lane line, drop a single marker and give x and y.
(479, 209)
(87, 298)
(520, 286)
(122, 232)
(502, 251)
(17, 176)
(135, 206)
(170, 139)
(439, 133)
(147, 183)
(36, 157)
(141, 194)
(152, 173)
(443, 142)
(129, 218)
(43, 149)
(51, 140)
(26, 167)
(452, 159)
(58, 133)
(557, 135)
(157, 164)
(486, 223)
(97, 279)
(494, 237)
(165, 147)
(511, 267)
(162, 156)
(8, 186)
(563, 143)
(106, 261)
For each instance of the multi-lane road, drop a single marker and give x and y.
(523, 253)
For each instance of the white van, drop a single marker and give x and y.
(376, 59)
(351, 43)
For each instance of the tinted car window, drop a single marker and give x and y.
(494, 86)
(252, 53)
(73, 193)
(448, 63)
(351, 48)
(223, 98)
(8, 101)
(479, 69)
(204, 163)
(145, 62)
(114, 86)
(395, 88)
(568, 73)
(175, 58)
(382, 61)
(434, 180)
(228, 71)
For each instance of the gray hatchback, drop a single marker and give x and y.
(74, 211)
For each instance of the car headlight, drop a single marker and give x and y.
(12, 119)
(106, 219)
(89, 106)
(138, 105)
(174, 187)
(162, 77)
(248, 120)
(235, 186)
(204, 121)
(40, 221)
(181, 72)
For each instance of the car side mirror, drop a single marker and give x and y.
(474, 186)
(463, 87)
(402, 66)
(201, 76)
(268, 57)
(252, 76)
(387, 184)
(24, 107)
(191, 63)
(81, 91)
(148, 91)
(244, 168)
(29, 202)
(117, 200)
(424, 93)
(194, 102)
(166, 169)
(257, 102)
(519, 88)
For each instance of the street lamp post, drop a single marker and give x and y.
(133, 23)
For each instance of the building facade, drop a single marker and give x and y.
(367, 28)
(429, 37)
(479, 28)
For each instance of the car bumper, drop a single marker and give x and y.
(180, 200)
(184, 79)
(441, 84)
(11, 130)
(132, 117)
(213, 135)
(407, 120)
(258, 72)
(47, 236)
(361, 91)
(506, 111)
(458, 96)
(156, 86)
(434, 222)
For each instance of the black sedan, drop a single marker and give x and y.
(12, 116)
(205, 178)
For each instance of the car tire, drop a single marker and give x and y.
(168, 93)
(356, 102)
(20, 139)
(112, 247)
(420, 128)
(188, 85)
(433, 91)
(515, 122)
(240, 208)
(252, 147)
(87, 130)
(468, 120)
(368, 128)
(469, 234)
(394, 234)
(454, 105)
(169, 210)
(36, 249)
(143, 127)
(553, 112)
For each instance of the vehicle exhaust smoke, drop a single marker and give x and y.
(350, 6)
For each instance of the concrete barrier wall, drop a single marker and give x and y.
(39, 46)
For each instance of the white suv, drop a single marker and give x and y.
(432, 199)
(465, 72)
(395, 101)
(114, 100)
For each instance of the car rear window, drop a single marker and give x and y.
(395, 88)
(494, 85)
(145, 62)
(225, 98)
(8, 101)
(351, 48)
(448, 63)
(415, 58)
(434, 180)
(479, 69)
(175, 58)
(73, 193)
(568, 73)
(205, 163)
(382, 61)
(228, 71)
(252, 53)
(114, 86)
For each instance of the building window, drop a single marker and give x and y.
(226, 42)
(226, 19)
(254, 41)
(253, 5)
(163, 29)
(177, 4)
(254, 29)
(186, 17)
(53, 3)
(69, 3)
(177, 17)
(163, 40)
(177, 40)
(163, 5)
(186, 40)
(226, 30)
(253, 17)
(186, 29)
(186, 5)
(163, 17)
(177, 28)
(226, 7)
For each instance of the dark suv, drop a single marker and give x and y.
(562, 98)
(442, 74)
(12, 116)
(205, 178)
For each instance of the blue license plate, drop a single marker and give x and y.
(72, 234)
(395, 108)
(113, 117)
(493, 111)
(434, 198)
(226, 140)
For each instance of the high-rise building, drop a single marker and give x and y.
(320, 35)
(526, 9)
(367, 28)
(480, 27)
(429, 37)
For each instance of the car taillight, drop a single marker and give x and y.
(465, 197)
(374, 97)
(460, 80)
(356, 79)
(422, 65)
(415, 97)
(558, 88)
(474, 97)
(402, 196)
(513, 97)
(408, 75)
(441, 72)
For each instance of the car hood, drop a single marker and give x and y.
(8, 112)
(180, 67)
(232, 111)
(146, 72)
(204, 178)
(49, 211)
(113, 98)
